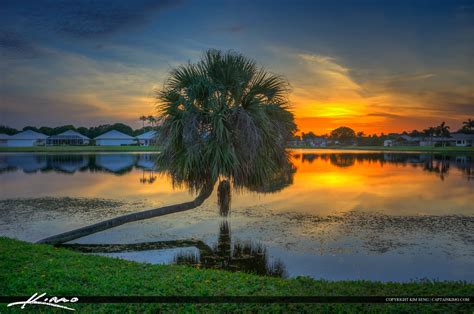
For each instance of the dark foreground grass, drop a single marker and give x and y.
(28, 268)
(79, 149)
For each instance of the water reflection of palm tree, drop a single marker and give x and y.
(237, 256)
(440, 166)
(151, 177)
(143, 179)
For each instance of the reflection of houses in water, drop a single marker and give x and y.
(4, 166)
(68, 163)
(146, 161)
(29, 163)
(117, 163)
(402, 158)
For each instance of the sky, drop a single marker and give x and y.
(375, 66)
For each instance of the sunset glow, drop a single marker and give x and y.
(389, 69)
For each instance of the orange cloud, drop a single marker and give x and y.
(325, 95)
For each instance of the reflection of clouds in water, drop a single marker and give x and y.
(434, 163)
(30, 218)
(356, 232)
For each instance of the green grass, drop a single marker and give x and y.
(52, 149)
(28, 268)
(399, 148)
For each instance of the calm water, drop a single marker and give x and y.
(347, 215)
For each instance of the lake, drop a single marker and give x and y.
(347, 214)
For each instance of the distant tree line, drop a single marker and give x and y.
(343, 135)
(90, 132)
(347, 136)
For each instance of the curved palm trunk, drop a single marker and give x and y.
(114, 222)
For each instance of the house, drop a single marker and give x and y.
(462, 140)
(69, 137)
(147, 138)
(26, 139)
(455, 139)
(4, 139)
(319, 141)
(403, 140)
(114, 138)
(388, 143)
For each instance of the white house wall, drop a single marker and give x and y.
(21, 143)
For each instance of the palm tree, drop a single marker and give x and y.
(468, 126)
(442, 131)
(430, 132)
(224, 120)
(151, 120)
(360, 136)
(143, 119)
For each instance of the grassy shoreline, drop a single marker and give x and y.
(78, 149)
(397, 149)
(28, 268)
(85, 149)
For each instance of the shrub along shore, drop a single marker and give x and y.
(80, 149)
(29, 268)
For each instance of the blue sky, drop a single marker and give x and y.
(373, 65)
